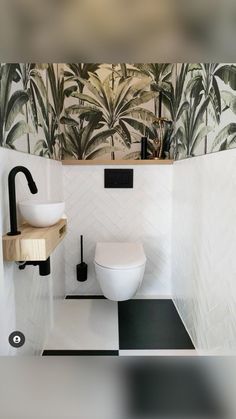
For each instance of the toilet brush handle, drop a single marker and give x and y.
(81, 249)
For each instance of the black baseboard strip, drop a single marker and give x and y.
(85, 297)
(58, 352)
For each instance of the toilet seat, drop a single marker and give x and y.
(120, 255)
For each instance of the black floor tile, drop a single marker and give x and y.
(151, 324)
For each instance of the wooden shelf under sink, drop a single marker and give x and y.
(115, 162)
(33, 243)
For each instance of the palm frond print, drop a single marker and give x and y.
(93, 111)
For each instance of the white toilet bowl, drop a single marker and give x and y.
(119, 269)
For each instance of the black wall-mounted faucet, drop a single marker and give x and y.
(12, 195)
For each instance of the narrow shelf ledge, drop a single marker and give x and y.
(115, 162)
(35, 244)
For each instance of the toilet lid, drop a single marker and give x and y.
(120, 255)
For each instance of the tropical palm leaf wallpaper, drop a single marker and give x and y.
(101, 111)
(208, 95)
(30, 106)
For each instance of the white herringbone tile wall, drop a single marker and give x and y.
(142, 213)
(204, 249)
(26, 299)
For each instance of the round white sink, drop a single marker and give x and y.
(41, 214)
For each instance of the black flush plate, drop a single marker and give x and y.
(118, 178)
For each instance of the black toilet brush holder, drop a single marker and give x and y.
(82, 267)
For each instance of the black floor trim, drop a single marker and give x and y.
(85, 297)
(62, 352)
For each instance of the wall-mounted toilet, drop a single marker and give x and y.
(119, 269)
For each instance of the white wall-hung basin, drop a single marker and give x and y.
(41, 213)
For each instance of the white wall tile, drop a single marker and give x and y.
(25, 297)
(142, 213)
(204, 249)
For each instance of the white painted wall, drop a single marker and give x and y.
(142, 213)
(204, 249)
(25, 297)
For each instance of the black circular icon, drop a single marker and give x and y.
(16, 339)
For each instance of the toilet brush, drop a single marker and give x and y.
(82, 268)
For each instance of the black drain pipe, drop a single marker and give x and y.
(44, 266)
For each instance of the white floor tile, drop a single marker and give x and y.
(85, 325)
